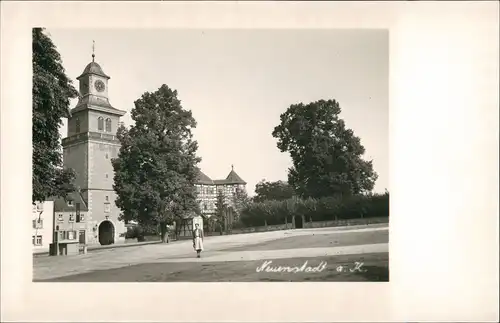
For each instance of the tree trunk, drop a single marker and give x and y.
(163, 232)
(178, 224)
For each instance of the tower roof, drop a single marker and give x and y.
(234, 178)
(93, 68)
(204, 179)
(61, 204)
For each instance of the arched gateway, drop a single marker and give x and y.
(106, 233)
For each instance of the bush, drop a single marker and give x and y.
(238, 225)
(324, 209)
(139, 232)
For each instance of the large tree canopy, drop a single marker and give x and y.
(52, 91)
(156, 168)
(326, 155)
(277, 191)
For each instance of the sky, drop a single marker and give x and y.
(238, 82)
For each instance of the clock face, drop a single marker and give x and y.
(99, 85)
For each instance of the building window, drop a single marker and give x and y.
(67, 235)
(107, 197)
(70, 203)
(106, 175)
(77, 125)
(107, 208)
(100, 124)
(82, 217)
(38, 224)
(37, 240)
(71, 218)
(107, 156)
(108, 125)
(60, 218)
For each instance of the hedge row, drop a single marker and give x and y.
(324, 209)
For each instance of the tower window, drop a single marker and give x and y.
(100, 124)
(106, 175)
(77, 125)
(107, 156)
(108, 125)
(107, 198)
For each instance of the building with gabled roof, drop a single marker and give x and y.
(207, 190)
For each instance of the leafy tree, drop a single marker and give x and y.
(240, 200)
(292, 207)
(156, 168)
(308, 206)
(221, 210)
(273, 211)
(52, 91)
(251, 215)
(326, 155)
(278, 191)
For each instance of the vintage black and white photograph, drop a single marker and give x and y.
(296, 161)
(210, 155)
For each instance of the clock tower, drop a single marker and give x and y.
(90, 145)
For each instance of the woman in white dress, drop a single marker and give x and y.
(198, 240)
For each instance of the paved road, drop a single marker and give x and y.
(232, 258)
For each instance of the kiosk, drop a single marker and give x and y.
(65, 243)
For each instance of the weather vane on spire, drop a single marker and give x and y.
(93, 50)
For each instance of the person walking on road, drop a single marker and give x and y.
(198, 240)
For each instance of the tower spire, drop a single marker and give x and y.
(93, 50)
